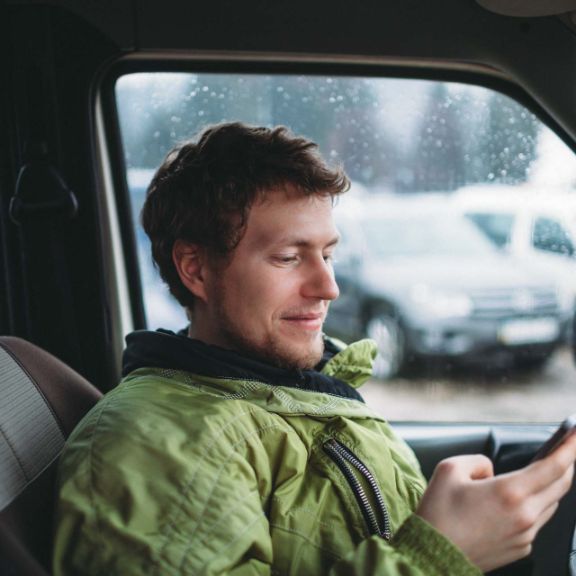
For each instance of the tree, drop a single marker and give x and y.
(438, 160)
(507, 146)
(343, 116)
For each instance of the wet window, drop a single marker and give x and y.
(498, 227)
(444, 177)
(550, 236)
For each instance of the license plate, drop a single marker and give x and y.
(533, 331)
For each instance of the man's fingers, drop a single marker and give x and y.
(481, 468)
(546, 515)
(540, 475)
(551, 494)
(565, 454)
(532, 508)
(465, 468)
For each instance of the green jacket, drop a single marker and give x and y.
(176, 472)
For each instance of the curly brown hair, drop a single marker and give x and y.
(203, 191)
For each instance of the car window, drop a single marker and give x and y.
(351, 246)
(453, 317)
(422, 233)
(498, 227)
(550, 236)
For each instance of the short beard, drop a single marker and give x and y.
(269, 351)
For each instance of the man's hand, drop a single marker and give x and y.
(494, 519)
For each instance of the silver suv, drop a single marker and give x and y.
(420, 279)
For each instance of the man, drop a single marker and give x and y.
(243, 447)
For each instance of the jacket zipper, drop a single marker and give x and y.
(347, 462)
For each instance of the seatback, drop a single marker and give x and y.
(41, 401)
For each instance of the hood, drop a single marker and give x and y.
(453, 272)
(339, 372)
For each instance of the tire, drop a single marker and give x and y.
(386, 331)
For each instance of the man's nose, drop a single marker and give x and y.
(321, 282)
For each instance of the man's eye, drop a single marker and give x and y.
(329, 258)
(288, 259)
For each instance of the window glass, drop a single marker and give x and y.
(498, 227)
(441, 173)
(350, 246)
(550, 236)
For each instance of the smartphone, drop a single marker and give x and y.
(565, 429)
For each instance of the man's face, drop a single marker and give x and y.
(272, 298)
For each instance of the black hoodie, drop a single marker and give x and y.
(165, 349)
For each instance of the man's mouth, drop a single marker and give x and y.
(305, 320)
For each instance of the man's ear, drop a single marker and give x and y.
(190, 261)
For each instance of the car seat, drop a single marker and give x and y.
(41, 401)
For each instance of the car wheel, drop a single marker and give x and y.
(386, 331)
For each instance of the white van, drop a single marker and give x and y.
(532, 223)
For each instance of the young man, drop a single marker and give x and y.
(243, 447)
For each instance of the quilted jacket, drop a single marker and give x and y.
(204, 462)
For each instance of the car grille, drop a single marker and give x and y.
(518, 302)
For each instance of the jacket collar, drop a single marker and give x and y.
(339, 372)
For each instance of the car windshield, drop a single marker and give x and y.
(408, 235)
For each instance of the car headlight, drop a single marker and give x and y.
(441, 303)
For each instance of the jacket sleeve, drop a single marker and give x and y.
(416, 550)
(142, 498)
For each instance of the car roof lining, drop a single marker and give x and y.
(528, 8)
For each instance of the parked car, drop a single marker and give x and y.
(534, 224)
(528, 222)
(421, 280)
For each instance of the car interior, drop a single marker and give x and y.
(93, 96)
